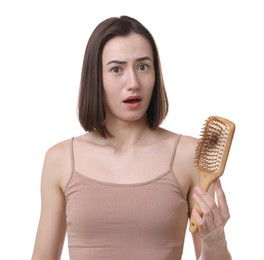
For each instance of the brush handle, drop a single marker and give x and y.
(193, 225)
(205, 184)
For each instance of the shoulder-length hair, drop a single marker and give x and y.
(91, 111)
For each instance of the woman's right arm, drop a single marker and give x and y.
(52, 224)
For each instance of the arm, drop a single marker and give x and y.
(52, 224)
(210, 242)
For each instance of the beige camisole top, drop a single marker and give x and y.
(141, 221)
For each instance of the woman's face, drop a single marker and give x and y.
(128, 78)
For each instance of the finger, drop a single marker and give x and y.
(214, 217)
(221, 200)
(199, 222)
(201, 198)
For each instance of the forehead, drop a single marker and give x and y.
(126, 47)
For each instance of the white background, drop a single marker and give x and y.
(213, 62)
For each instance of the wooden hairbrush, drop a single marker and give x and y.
(211, 154)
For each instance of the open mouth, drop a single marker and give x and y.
(132, 100)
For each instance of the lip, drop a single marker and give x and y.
(132, 98)
(132, 101)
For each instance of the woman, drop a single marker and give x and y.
(124, 189)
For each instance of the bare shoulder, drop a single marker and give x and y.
(57, 163)
(183, 166)
(58, 151)
(187, 146)
(186, 154)
(185, 149)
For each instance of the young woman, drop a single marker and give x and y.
(125, 189)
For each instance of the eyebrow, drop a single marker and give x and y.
(124, 62)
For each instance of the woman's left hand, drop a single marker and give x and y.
(215, 215)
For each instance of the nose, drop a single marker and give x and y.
(132, 81)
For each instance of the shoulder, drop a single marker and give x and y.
(57, 163)
(185, 154)
(187, 146)
(57, 153)
(183, 165)
(185, 150)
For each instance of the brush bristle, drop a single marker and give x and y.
(211, 145)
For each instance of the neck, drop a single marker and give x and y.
(128, 134)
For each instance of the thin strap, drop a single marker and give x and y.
(72, 165)
(72, 156)
(174, 150)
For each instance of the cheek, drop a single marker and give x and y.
(108, 87)
(108, 97)
(111, 95)
(111, 82)
(150, 84)
(151, 79)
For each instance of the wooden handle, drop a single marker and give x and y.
(205, 184)
(193, 226)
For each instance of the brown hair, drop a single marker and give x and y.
(91, 106)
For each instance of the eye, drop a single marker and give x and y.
(143, 67)
(116, 69)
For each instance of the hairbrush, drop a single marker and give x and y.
(211, 154)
